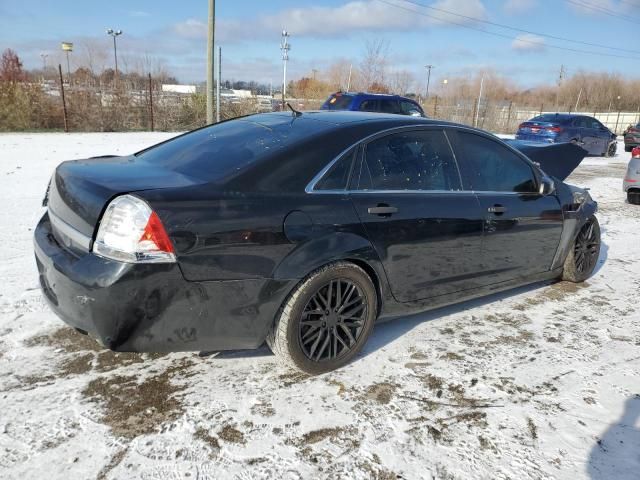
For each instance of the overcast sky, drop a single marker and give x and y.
(174, 33)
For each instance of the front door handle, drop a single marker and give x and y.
(497, 209)
(382, 210)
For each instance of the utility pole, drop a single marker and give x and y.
(210, 59)
(475, 123)
(428, 67)
(44, 61)
(560, 78)
(218, 84)
(115, 33)
(285, 47)
(349, 81)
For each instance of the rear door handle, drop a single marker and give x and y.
(382, 210)
(497, 209)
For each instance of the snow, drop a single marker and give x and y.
(542, 382)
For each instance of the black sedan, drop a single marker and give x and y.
(303, 230)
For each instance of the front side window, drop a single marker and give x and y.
(495, 168)
(409, 108)
(389, 106)
(413, 160)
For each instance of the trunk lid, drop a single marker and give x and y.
(557, 160)
(80, 189)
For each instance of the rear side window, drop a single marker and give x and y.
(414, 160)
(338, 175)
(369, 106)
(492, 167)
(338, 102)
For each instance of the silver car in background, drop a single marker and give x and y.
(631, 183)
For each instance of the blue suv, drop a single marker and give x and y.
(586, 131)
(373, 102)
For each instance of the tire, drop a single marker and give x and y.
(583, 256)
(302, 329)
(611, 150)
(633, 197)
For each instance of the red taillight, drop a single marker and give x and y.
(154, 232)
(635, 153)
(522, 125)
(553, 129)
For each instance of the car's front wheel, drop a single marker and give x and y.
(583, 256)
(326, 320)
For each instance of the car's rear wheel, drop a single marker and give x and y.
(633, 197)
(326, 320)
(583, 256)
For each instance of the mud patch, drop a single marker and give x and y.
(77, 364)
(66, 338)
(132, 407)
(381, 393)
(203, 435)
(231, 435)
(116, 460)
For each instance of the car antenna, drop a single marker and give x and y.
(296, 113)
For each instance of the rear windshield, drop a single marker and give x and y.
(338, 102)
(220, 150)
(548, 118)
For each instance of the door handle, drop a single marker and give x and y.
(382, 210)
(497, 209)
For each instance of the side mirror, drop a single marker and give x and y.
(547, 186)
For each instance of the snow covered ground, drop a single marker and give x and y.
(538, 383)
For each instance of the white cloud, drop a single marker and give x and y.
(340, 21)
(519, 6)
(528, 42)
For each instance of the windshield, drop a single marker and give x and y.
(547, 118)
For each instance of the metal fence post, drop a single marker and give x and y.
(151, 102)
(64, 103)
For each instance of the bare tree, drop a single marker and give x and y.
(373, 67)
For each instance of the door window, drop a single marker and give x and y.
(389, 106)
(414, 160)
(409, 108)
(495, 168)
(369, 106)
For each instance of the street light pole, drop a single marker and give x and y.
(285, 47)
(428, 67)
(114, 34)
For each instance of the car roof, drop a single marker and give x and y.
(343, 117)
(373, 95)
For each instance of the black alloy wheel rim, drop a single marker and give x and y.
(332, 321)
(586, 248)
(612, 150)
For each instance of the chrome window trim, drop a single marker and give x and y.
(310, 188)
(63, 227)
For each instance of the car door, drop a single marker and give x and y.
(522, 228)
(602, 137)
(426, 230)
(590, 137)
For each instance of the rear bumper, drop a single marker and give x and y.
(631, 141)
(151, 307)
(536, 138)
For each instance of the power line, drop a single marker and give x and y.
(605, 11)
(515, 29)
(496, 34)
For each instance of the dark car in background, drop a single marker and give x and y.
(373, 102)
(303, 229)
(583, 130)
(632, 137)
